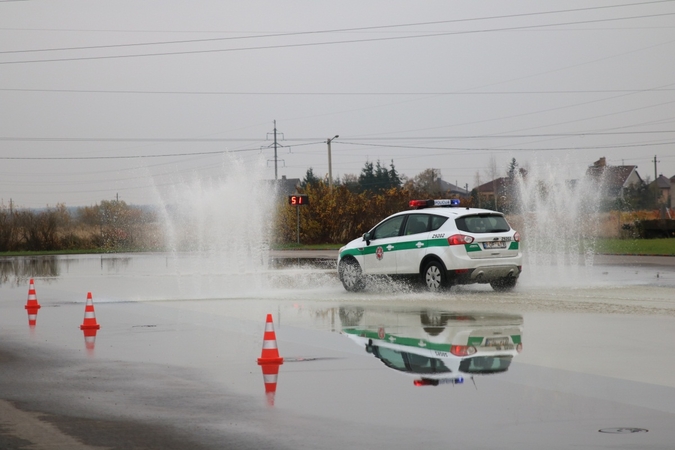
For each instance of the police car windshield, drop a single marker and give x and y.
(482, 223)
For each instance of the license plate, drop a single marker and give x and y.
(494, 244)
(496, 342)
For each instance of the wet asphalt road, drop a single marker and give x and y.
(174, 363)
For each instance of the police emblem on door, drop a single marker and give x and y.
(378, 253)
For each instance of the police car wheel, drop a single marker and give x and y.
(434, 276)
(504, 284)
(351, 275)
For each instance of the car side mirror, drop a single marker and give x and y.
(366, 237)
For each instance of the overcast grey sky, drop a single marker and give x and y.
(171, 85)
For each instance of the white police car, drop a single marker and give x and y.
(441, 243)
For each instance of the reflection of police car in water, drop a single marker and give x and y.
(436, 347)
(443, 243)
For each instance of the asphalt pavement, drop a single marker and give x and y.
(174, 364)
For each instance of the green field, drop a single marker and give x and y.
(665, 247)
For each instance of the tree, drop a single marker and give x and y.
(367, 177)
(381, 177)
(425, 183)
(477, 182)
(513, 170)
(8, 229)
(394, 178)
(377, 178)
(351, 182)
(636, 197)
(493, 174)
(511, 196)
(310, 179)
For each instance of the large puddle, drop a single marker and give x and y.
(180, 342)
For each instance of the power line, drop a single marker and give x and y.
(318, 141)
(336, 30)
(346, 41)
(525, 149)
(440, 93)
(165, 155)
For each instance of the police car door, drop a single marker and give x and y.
(380, 256)
(413, 244)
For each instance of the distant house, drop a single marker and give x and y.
(449, 188)
(285, 186)
(499, 185)
(665, 188)
(613, 180)
(502, 186)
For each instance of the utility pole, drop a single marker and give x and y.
(275, 151)
(656, 186)
(275, 145)
(330, 163)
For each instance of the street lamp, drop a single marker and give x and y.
(330, 163)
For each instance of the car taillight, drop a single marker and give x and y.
(516, 237)
(519, 347)
(462, 350)
(459, 239)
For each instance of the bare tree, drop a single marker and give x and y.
(493, 174)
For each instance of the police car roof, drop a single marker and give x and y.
(450, 212)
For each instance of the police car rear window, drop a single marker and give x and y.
(486, 364)
(483, 223)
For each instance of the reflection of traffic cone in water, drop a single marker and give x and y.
(32, 317)
(270, 360)
(32, 305)
(270, 373)
(90, 339)
(89, 315)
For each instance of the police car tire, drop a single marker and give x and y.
(504, 284)
(351, 275)
(434, 276)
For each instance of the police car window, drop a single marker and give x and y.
(390, 228)
(424, 364)
(436, 222)
(410, 362)
(417, 223)
(483, 223)
(391, 358)
(486, 364)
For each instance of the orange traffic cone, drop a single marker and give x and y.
(270, 360)
(32, 302)
(270, 353)
(89, 315)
